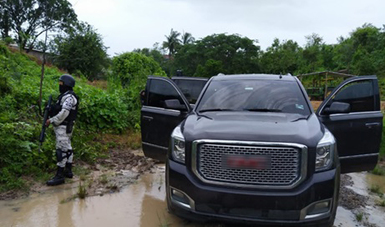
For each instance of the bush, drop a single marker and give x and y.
(130, 71)
(20, 122)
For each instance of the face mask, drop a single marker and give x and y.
(63, 88)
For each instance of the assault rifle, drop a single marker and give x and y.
(43, 127)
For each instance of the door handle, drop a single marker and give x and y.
(148, 118)
(372, 124)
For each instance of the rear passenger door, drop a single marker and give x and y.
(357, 124)
(158, 120)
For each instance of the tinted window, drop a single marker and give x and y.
(160, 91)
(190, 88)
(255, 95)
(358, 94)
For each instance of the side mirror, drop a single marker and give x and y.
(338, 107)
(174, 104)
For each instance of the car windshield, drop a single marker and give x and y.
(254, 95)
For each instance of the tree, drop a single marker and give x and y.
(28, 19)
(172, 42)
(155, 54)
(131, 70)
(231, 54)
(5, 25)
(281, 57)
(363, 52)
(187, 38)
(82, 49)
(312, 59)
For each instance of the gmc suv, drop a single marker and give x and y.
(253, 150)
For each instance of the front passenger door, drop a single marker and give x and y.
(352, 113)
(158, 119)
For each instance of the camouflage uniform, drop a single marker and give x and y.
(63, 139)
(64, 114)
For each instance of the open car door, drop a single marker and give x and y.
(163, 108)
(352, 113)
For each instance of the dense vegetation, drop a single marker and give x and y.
(361, 53)
(114, 110)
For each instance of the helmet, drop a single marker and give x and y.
(67, 80)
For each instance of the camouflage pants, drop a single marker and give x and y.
(63, 146)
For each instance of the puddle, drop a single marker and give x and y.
(139, 204)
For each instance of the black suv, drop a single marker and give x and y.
(253, 150)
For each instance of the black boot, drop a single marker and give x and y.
(58, 178)
(68, 170)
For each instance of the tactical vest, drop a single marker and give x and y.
(57, 108)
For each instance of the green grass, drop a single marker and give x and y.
(82, 191)
(378, 171)
(375, 189)
(103, 179)
(359, 216)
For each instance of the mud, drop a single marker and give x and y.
(107, 175)
(350, 199)
(126, 189)
(141, 203)
(358, 206)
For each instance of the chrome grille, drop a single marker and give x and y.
(285, 167)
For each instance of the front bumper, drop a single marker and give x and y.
(313, 201)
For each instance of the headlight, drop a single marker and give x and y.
(325, 152)
(177, 145)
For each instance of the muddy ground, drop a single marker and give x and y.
(359, 205)
(121, 168)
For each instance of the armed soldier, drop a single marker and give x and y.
(63, 115)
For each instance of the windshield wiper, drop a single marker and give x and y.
(264, 110)
(214, 109)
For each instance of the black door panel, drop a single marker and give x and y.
(158, 122)
(357, 143)
(358, 133)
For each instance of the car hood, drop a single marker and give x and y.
(254, 126)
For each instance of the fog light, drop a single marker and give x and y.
(180, 198)
(177, 194)
(316, 209)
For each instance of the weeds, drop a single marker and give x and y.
(382, 203)
(103, 179)
(82, 191)
(359, 216)
(68, 199)
(113, 187)
(83, 177)
(90, 182)
(378, 171)
(375, 189)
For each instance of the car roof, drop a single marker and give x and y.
(189, 78)
(255, 76)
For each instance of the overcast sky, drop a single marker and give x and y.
(129, 24)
